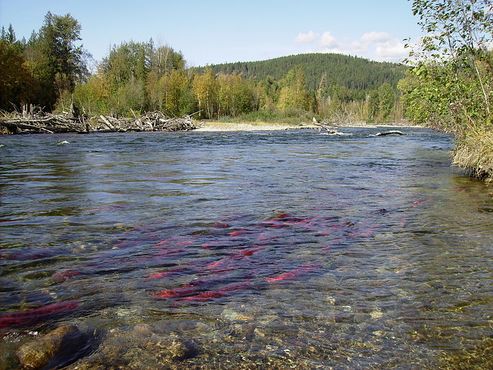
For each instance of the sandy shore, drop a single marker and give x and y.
(272, 126)
(250, 126)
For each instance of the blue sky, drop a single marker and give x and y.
(216, 31)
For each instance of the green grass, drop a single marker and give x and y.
(474, 153)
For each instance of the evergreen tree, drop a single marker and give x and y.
(386, 101)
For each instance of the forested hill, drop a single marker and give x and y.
(347, 71)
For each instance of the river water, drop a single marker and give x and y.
(246, 249)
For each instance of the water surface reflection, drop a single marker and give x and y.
(255, 249)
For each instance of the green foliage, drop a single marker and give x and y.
(16, 83)
(136, 77)
(386, 101)
(373, 106)
(293, 96)
(59, 60)
(126, 62)
(382, 102)
(44, 68)
(177, 92)
(235, 96)
(450, 86)
(205, 88)
(93, 96)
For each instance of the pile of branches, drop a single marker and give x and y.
(34, 120)
(152, 121)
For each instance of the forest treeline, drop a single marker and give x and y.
(352, 78)
(50, 69)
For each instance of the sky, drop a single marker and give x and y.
(217, 31)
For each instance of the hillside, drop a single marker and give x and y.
(347, 71)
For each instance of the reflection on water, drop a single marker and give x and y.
(255, 249)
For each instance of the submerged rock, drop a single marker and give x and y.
(232, 315)
(59, 347)
(139, 348)
(182, 349)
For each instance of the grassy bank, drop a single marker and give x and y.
(474, 153)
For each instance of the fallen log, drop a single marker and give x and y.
(106, 122)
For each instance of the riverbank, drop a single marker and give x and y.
(249, 126)
(273, 126)
(66, 123)
(474, 153)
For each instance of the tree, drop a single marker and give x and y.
(9, 35)
(205, 88)
(267, 94)
(164, 59)
(373, 106)
(127, 61)
(293, 95)
(16, 83)
(235, 95)
(65, 63)
(178, 99)
(450, 86)
(386, 99)
(93, 96)
(458, 35)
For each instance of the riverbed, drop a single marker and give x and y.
(245, 249)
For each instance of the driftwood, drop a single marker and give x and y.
(391, 132)
(41, 123)
(326, 127)
(153, 121)
(36, 121)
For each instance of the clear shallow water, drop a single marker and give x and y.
(276, 249)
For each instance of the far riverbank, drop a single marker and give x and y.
(274, 126)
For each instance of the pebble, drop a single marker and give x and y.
(143, 330)
(259, 333)
(330, 300)
(232, 315)
(377, 314)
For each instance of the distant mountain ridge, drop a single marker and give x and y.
(353, 73)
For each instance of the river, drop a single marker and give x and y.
(243, 249)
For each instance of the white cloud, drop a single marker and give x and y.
(374, 45)
(328, 40)
(306, 37)
(375, 37)
(358, 46)
(392, 50)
